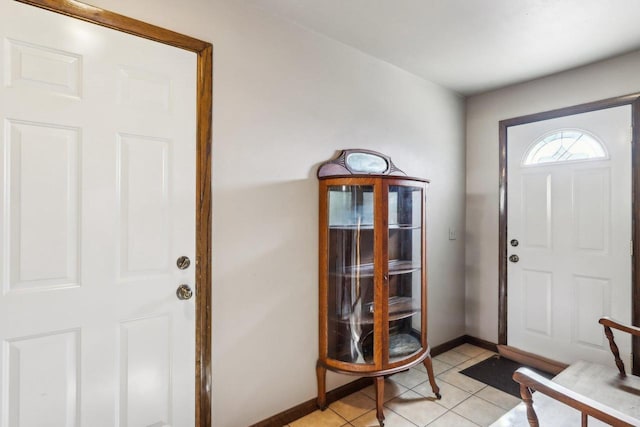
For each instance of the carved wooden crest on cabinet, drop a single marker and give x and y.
(359, 162)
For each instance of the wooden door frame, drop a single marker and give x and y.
(634, 101)
(204, 99)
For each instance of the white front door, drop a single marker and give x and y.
(97, 184)
(569, 224)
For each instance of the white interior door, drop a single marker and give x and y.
(569, 209)
(97, 196)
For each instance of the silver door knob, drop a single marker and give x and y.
(514, 258)
(184, 292)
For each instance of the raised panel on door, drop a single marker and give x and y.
(145, 372)
(592, 295)
(537, 300)
(38, 387)
(536, 210)
(144, 198)
(591, 210)
(42, 68)
(143, 89)
(43, 206)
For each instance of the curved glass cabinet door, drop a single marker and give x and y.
(405, 271)
(351, 273)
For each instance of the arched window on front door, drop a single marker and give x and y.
(565, 146)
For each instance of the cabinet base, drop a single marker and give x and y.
(321, 374)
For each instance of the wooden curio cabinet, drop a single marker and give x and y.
(373, 278)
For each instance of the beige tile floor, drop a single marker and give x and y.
(409, 401)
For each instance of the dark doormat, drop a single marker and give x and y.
(497, 372)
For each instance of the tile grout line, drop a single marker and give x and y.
(468, 392)
(461, 416)
(447, 366)
(447, 410)
(346, 421)
(408, 420)
(494, 404)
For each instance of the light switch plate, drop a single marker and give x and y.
(453, 235)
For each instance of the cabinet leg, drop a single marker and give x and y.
(432, 380)
(321, 374)
(379, 382)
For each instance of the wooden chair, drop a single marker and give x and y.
(581, 391)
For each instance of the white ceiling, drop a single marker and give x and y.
(472, 46)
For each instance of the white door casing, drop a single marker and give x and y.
(573, 224)
(97, 184)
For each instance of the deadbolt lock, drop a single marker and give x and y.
(514, 242)
(183, 262)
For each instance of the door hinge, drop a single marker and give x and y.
(631, 247)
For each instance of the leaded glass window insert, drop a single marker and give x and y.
(565, 146)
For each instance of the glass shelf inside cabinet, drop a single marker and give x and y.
(404, 227)
(399, 308)
(351, 271)
(405, 275)
(396, 266)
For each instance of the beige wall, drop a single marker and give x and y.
(284, 100)
(615, 77)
